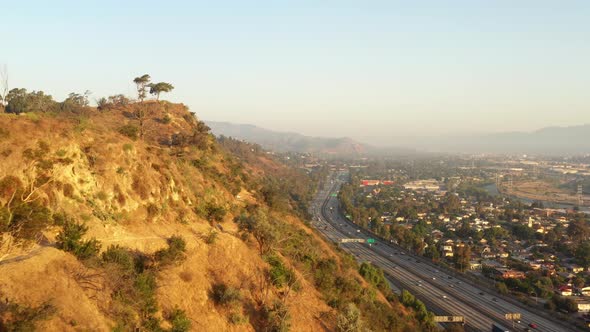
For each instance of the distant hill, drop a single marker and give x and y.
(550, 140)
(287, 141)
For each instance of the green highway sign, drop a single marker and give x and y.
(370, 240)
(334, 195)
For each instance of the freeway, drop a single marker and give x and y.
(442, 293)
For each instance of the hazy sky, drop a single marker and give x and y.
(354, 68)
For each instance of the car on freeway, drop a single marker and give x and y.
(444, 296)
(433, 278)
(481, 293)
(533, 325)
(494, 299)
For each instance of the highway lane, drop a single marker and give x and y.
(443, 295)
(437, 300)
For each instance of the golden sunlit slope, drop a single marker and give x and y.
(133, 216)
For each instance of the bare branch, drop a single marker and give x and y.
(3, 84)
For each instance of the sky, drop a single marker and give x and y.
(363, 69)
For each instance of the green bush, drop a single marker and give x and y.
(211, 212)
(180, 322)
(130, 131)
(236, 318)
(374, 276)
(225, 295)
(174, 252)
(120, 256)
(280, 275)
(70, 240)
(145, 287)
(211, 237)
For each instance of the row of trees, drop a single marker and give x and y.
(19, 100)
(143, 82)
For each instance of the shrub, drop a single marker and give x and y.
(130, 131)
(127, 147)
(31, 218)
(349, 319)
(237, 318)
(70, 240)
(112, 102)
(174, 252)
(120, 256)
(16, 317)
(61, 153)
(277, 317)
(211, 237)
(102, 196)
(211, 211)
(152, 210)
(9, 185)
(145, 287)
(224, 295)
(180, 322)
(280, 275)
(374, 276)
(68, 190)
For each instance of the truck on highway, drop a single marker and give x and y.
(499, 328)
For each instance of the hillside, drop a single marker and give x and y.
(288, 142)
(134, 216)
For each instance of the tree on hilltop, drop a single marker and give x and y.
(157, 88)
(21, 101)
(142, 83)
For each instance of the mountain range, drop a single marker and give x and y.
(288, 141)
(549, 140)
